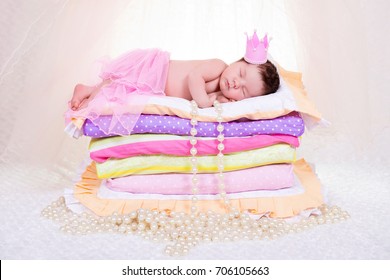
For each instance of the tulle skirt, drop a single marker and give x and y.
(135, 76)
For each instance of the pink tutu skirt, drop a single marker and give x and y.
(135, 76)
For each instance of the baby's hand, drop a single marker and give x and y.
(220, 97)
(213, 96)
(223, 99)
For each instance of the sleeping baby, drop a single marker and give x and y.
(151, 72)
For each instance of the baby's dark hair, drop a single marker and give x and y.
(269, 75)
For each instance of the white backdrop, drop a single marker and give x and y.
(47, 46)
(344, 56)
(56, 45)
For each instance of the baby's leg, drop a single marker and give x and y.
(81, 94)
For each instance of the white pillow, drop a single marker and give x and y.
(291, 96)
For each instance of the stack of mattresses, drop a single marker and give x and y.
(150, 168)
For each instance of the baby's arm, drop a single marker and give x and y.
(207, 71)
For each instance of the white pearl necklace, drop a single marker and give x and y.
(187, 230)
(220, 156)
(193, 159)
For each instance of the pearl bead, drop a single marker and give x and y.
(195, 179)
(193, 141)
(193, 151)
(193, 131)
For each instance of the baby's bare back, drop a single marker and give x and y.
(177, 81)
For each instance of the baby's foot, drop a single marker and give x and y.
(81, 94)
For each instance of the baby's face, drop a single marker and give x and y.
(241, 80)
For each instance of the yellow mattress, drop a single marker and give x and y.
(157, 164)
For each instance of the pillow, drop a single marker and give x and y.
(290, 96)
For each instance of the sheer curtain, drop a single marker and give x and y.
(343, 53)
(50, 45)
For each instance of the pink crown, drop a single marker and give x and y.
(256, 50)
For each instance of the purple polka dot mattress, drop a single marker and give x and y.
(290, 124)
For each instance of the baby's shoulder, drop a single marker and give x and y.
(215, 62)
(198, 63)
(206, 67)
(213, 67)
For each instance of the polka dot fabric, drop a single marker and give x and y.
(291, 124)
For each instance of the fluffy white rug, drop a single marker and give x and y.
(356, 183)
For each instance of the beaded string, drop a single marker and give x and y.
(220, 156)
(193, 159)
